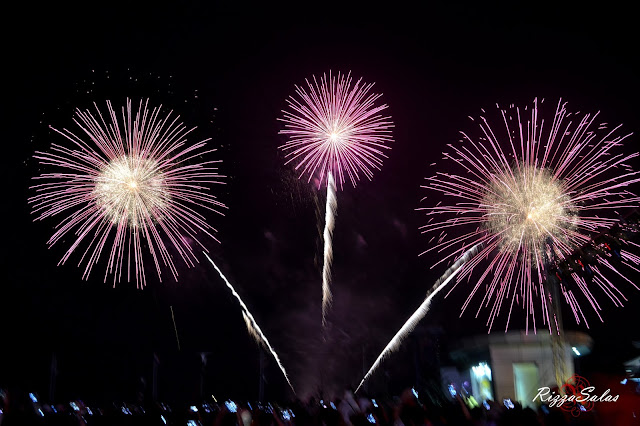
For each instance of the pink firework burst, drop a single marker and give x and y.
(126, 183)
(534, 193)
(335, 127)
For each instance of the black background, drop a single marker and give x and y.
(228, 69)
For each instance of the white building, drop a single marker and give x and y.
(512, 365)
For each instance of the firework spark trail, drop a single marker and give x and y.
(330, 221)
(417, 316)
(252, 325)
(134, 179)
(535, 193)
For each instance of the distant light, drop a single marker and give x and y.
(231, 406)
(624, 382)
(41, 413)
(194, 408)
(163, 419)
(33, 397)
(214, 398)
(89, 411)
(482, 370)
(575, 351)
(452, 390)
(415, 393)
(74, 406)
(333, 405)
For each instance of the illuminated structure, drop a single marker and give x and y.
(512, 365)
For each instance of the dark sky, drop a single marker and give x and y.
(228, 69)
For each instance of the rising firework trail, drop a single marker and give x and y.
(252, 325)
(420, 313)
(532, 192)
(329, 224)
(125, 182)
(173, 318)
(336, 132)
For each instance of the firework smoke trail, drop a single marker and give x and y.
(532, 194)
(330, 221)
(252, 331)
(417, 316)
(335, 132)
(252, 325)
(133, 179)
(173, 318)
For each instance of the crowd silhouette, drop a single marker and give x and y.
(349, 410)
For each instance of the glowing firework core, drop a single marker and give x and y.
(130, 189)
(335, 138)
(527, 207)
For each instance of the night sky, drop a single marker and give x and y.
(228, 70)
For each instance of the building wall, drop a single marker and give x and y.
(534, 350)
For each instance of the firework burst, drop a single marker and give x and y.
(533, 193)
(334, 126)
(132, 180)
(335, 132)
